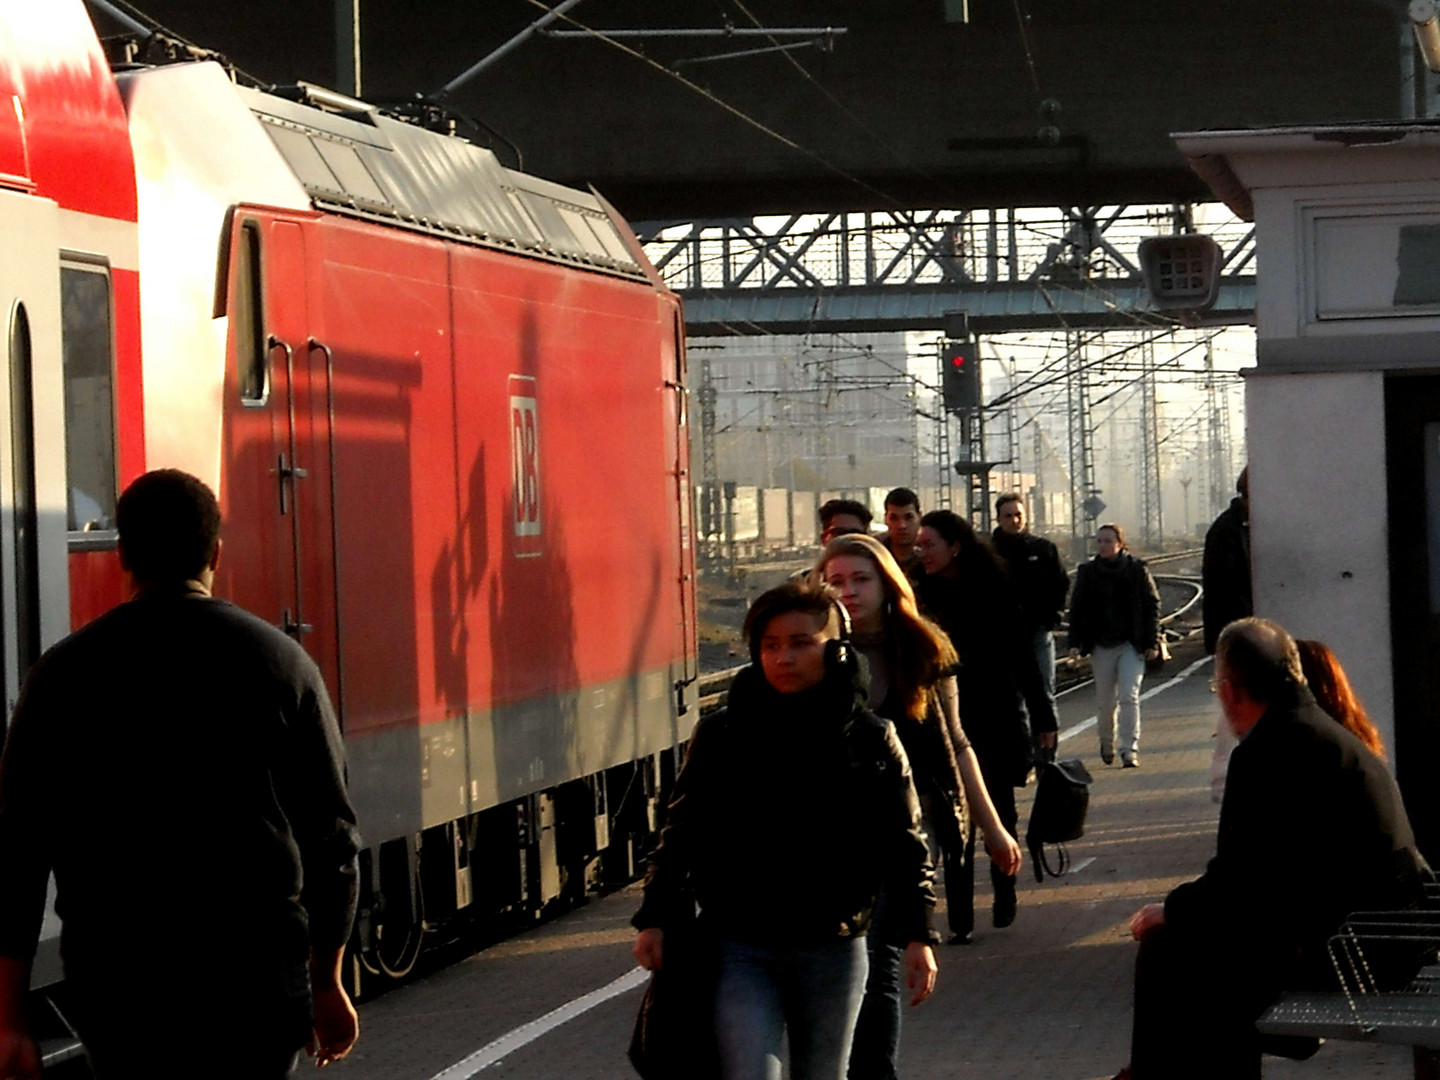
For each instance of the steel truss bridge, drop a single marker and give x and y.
(1011, 269)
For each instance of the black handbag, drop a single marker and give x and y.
(674, 1034)
(1062, 798)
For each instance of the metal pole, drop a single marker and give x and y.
(133, 25)
(702, 32)
(347, 47)
(1407, 70)
(509, 46)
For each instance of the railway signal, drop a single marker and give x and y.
(960, 379)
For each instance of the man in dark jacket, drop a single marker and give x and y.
(1225, 571)
(1040, 586)
(1226, 596)
(902, 528)
(1312, 828)
(178, 766)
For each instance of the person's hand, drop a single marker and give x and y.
(649, 949)
(920, 970)
(19, 1056)
(1045, 740)
(1145, 920)
(336, 1026)
(1004, 851)
(1151, 654)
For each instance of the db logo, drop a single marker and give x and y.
(525, 465)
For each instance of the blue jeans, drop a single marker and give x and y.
(1118, 671)
(812, 994)
(1044, 645)
(1042, 642)
(876, 1052)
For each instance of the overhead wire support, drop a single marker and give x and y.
(693, 60)
(739, 114)
(706, 32)
(135, 26)
(551, 14)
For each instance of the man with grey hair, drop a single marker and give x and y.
(1312, 828)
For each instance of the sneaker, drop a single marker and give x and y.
(1107, 755)
(967, 938)
(1130, 761)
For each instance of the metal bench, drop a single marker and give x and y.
(1365, 1009)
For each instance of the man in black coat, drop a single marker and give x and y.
(1225, 570)
(178, 765)
(1040, 586)
(1226, 596)
(1312, 828)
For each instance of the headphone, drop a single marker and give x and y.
(840, 655)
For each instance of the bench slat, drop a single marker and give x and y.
(1406, 1019)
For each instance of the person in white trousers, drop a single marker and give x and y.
(1115, 618)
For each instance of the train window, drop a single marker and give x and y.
(22, 445)
(247, 315)
(88, 342)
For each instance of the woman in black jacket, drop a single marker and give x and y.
(1115, 619)
(966, 591)
(909, 661)
(794, 810)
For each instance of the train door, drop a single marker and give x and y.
(276, 482)
(34, 590)
(1412, 422)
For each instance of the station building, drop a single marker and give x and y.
(1343, 409)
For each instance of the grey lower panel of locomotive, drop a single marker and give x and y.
(407, 779)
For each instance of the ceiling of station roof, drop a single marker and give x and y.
(1030, 102)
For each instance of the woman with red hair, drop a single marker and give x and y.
(1331, 688)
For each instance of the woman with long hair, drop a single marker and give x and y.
(966, 591)
(910, 661)
(794, 811)
(1327, 681)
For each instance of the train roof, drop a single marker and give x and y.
(63, 133)
(353, 159)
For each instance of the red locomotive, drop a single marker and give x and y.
(443, 404)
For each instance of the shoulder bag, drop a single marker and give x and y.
(674, 1034)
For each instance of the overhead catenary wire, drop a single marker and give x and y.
(738, 113)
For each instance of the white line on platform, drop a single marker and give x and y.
(507, 1044)
(1089, 722)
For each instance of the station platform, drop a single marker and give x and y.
(1046, 999)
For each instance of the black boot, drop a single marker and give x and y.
(1003, 912)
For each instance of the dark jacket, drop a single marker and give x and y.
(1037, 577)
(790, 815)
(1114, 602)
(997, 665)
(1225, 572)
(178, 766)
(1312, 828)
(928, 743)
